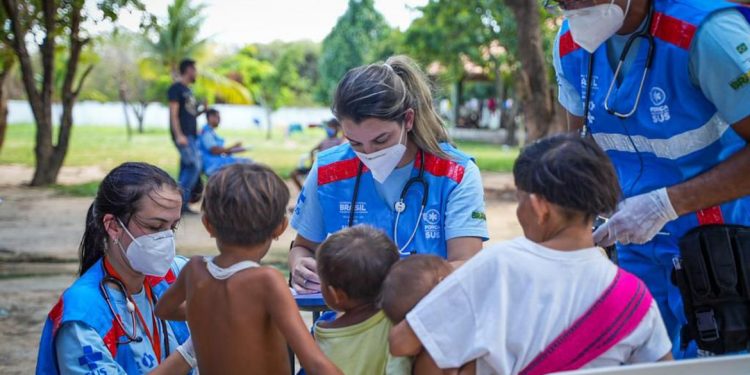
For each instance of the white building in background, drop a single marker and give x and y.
(157, 115)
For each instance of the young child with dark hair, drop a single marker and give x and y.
(549, 301)
(241, 315)
(352, 265)
(409, 280)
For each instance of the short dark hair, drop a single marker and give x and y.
(410, 280)
(356, 260)
(569, 171)
(211, 112)
(185, 64)
(245, 203)
(334, 123)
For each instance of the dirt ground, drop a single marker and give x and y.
(40, 230)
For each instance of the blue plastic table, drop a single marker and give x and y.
(311, 302)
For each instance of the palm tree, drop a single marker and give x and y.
(178, 39)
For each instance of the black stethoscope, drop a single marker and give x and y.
(400, 205)
(131, 337)
(644, 33)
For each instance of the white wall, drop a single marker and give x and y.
(111, 114)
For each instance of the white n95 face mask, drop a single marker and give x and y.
(382, 163)
(592, 26)
(150, 254)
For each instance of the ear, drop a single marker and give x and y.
(409, 119)
(209, 228)
(281, 228)
(541, 207)
(339, 296)
(112, 226)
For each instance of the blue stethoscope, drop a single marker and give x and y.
(644, 33)
(400, 205)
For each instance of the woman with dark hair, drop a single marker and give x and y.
(104, 323)
(548, 301)
(398, 172)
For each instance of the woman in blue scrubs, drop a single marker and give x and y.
(104, 323)
(398, 172)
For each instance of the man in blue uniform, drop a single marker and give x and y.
(663, 86)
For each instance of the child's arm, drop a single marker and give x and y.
(285, 314)
(403, 341)
(171, 305)
(172, 365)
(468, 369)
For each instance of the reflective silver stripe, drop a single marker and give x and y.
(670, 148)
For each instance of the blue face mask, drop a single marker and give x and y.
(331, 132)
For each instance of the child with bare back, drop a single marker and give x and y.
(408, 281)
(241, 315)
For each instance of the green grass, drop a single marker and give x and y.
(490, 158)
(107, 147)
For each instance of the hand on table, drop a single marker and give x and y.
(304, 277)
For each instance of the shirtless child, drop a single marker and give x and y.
(241, 315)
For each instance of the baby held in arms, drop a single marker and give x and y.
(406, 284)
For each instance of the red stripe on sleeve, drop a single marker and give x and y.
(442, 167)
(169, 278)
(567, 45)
(112, 337)
(340, 170)
(711, 215)
(56, 315)
(673, 30)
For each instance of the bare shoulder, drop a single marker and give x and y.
(265, 275)
(195, 267)
(194, 262)
(267, 279)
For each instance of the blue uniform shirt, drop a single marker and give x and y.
(719, 58)
(468, 197)
(80, 350)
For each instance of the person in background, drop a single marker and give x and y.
(183, 111)
(214, 154)
(332, 140)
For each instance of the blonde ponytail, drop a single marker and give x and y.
(386, 91)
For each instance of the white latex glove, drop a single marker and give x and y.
(637, 220)
(188, 352)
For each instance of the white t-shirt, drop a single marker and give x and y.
(505, 305)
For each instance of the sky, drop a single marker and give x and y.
(239, 22)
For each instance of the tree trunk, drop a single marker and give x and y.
(139, 109)
(49, 157)
(122, 92)
(458, 93)
(535, 96)
(4, 102)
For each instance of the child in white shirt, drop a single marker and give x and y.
(505, 306)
